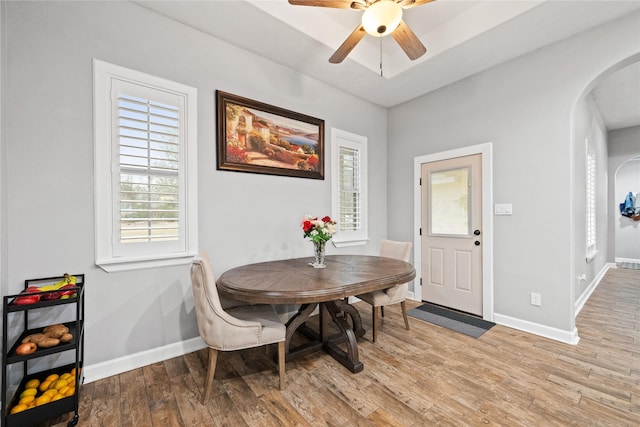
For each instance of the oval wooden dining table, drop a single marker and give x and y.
(294, 281)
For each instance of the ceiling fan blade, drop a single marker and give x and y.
(348, 45)
(413, 3)
(408, 41)
(338, 4)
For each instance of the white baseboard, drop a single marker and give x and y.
(569, 337)
(592, 287)
(117, 366)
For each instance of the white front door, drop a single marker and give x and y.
(452, 233)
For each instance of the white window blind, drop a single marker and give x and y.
(146, 169)
(349, 187)
(149, 149)
(591, 200)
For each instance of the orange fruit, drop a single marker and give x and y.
(63, 390)
(70, 392)
(44, 385)
(42, 400)
(18, 408)
(34, 383)
(65, 376)
(50, 393)
(29, 392)
(58, 384)
(52, 377)
(57, 397)
(26, 400)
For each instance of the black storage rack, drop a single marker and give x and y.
(9, 357)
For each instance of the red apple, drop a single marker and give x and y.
(27, 300)
(50, 296)
(26, 348)
(28, 297)
(67, 291)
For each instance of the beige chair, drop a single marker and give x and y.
(394, 295)
(235, 328)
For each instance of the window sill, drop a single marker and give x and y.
(591, 256)
(115, 265)
(346, 243)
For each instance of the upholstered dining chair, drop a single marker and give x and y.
(235, 328)
(394, 295)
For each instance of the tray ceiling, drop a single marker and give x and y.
(462, 38)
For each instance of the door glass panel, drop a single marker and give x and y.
(449, 202)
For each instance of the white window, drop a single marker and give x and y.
(591, 202)
(145, 169)
(349, 187)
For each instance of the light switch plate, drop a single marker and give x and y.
(503, 209)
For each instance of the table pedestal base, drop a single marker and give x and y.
(337, 311)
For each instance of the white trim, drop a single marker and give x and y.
(568, 337)
(586, 294)
(486, 150)
(591, 187)
(345, 243)
(347, 139)
(105, 257)
(117, 366)
(591, 255)
(143, 263)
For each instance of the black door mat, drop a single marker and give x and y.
(450, 319)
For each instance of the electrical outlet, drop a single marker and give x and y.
(536, 299)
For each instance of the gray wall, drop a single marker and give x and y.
(243, 217)
(588, 124)
(624, 176)
(525, 107)
(3, 168)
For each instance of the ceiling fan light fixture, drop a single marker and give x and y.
(382, 17)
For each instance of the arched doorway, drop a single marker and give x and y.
(595, 118)
(626, 229)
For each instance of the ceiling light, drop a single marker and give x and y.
(382, 17)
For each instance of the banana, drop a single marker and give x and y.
(68, 280)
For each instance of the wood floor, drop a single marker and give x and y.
(428, 376)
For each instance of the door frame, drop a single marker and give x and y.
(486, 151)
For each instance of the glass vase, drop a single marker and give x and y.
(318, 252)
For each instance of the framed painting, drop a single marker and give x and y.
(261, 138)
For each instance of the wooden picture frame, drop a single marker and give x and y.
(261, 138)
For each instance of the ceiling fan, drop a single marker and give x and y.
(380, 18)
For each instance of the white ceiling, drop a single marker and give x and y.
(618, 98)
(462, 37)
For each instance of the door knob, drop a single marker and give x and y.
(477, 243)
(477, 232)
